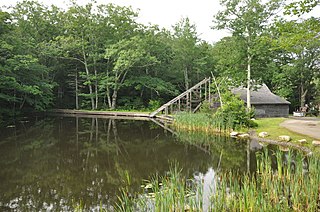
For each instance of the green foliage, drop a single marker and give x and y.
(153, 104)
(97, 56)
(301, 7)
(233, 113)
(245, 56)
(298, 46)
(206, 108)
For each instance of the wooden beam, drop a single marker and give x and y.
(179, 97)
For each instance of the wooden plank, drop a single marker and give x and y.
(190, 102)
(178, 97)
(105, 113)
(99, 116)
(198, 106)
(205, 91)
(209, 88)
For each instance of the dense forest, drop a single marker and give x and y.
(99, 57)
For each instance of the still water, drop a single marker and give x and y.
(56, 163)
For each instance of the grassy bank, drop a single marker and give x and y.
(201, 122)
(291, 184)
(272, 126)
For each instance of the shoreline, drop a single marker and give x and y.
(146, 117)
(108, 114)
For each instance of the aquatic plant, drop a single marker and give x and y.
(193, 122)
(209, 123)
(167, 193)
(292, 183)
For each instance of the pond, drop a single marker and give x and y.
(58, 162)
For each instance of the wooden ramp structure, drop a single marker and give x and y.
(189, 101)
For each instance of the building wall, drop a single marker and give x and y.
(271, 110)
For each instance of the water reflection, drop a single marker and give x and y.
(54, 163)
(207, 183)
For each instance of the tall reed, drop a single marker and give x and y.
(282, 182)
(203, 122)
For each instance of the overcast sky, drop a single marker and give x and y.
(166, 13)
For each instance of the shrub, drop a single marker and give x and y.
(154, 104)
(233, 113)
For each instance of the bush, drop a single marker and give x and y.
(154, 104)
(233, 113)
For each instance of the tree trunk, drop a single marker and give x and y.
(90, 87)
(303, 94)
(77, 97)
(186, 78)
(109, 97)
(248, 82)
(14, 102)
(85, 62)
(114, 99)
(96, 84)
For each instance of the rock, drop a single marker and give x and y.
(263, 134)
(187, 208)
(284, 138)
(302, 141)
(233, 134)
(316, 143)
(244, 135)
(284, 148)
(263, 144)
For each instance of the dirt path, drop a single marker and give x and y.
(305, 125)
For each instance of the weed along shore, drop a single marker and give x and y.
(292, 185)
(266, 130)
(285, 179)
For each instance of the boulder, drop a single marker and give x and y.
(284, 148)
(244, 135)
(187, 208)
(263, 134)
(302, 141)
(316, 143)
(233, 134)
(284, 138)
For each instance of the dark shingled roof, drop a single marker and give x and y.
(260, 96)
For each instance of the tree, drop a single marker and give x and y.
(185, 49)
(24, 81)
(299, 44)
(300, 7)
(247, 20)
(152, 85)
(123, 56)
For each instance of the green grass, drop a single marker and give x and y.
(201, 122)
(273, 128)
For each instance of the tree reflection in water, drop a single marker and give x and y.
(54, 163)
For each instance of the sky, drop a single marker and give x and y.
(166, 13)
